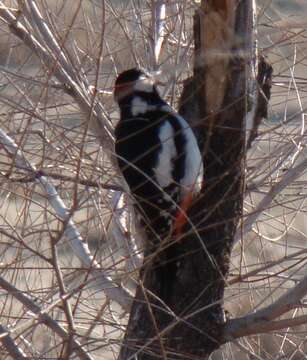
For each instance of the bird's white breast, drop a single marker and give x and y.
(193, 176)
(167, 154)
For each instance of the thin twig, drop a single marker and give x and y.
(43, 316)
(6, 340)
(289, 177)
(76, 242)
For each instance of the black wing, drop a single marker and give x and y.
(138, 148)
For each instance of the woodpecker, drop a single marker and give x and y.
(157, 154)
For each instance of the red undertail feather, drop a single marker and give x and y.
(181, 217)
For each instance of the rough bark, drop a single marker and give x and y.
(178, 308)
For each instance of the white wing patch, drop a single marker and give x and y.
(164, 168)
(193, 177)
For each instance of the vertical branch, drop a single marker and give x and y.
(158, 29)
(216, 43)
(185, 319)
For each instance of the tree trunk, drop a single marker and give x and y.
(178, 308)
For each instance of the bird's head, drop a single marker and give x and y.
(134, 80)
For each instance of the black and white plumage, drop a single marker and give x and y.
(157, 153)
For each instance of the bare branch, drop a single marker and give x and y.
(75, 240)
(10, 345)
(264, 327)
(261, 320)
(158, 27)
(62, 177)
(43, 316)
(290, 176)
(79, 90)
